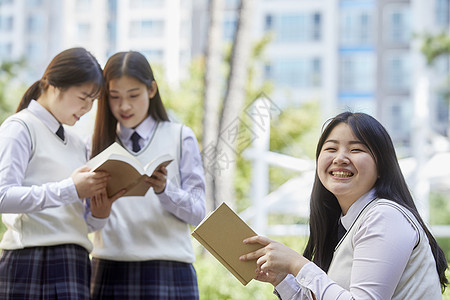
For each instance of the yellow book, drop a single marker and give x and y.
(222, 233)
(126, 171)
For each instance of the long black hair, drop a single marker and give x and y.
(324, 206)
(71, 67)
(132, 64)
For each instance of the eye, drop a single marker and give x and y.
(329, 149)
(134, 96)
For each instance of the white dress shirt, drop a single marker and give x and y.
(376, 269)
(187, 202)
(15, 151)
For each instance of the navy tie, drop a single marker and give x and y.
(341, 230)
(135, 137)
(60, 132)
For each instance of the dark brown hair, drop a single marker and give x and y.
(132, 64)
(71, 67)
(325, 209)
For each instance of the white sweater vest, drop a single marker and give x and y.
(52, 160)
(139, 228)
(419, 279)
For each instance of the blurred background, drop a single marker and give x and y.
(256, 79)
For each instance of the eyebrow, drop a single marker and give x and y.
(128, 91)
(351, 142)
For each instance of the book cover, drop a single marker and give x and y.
(125, 170)
(222, 233)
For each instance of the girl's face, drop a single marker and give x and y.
(345, 166)
(129, 100)
(69, 105)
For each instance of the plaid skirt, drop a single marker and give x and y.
(143, 280)
(50, 272)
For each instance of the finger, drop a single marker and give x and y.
(84, 169)
(257, 239)
(117, 195)
(253, 255)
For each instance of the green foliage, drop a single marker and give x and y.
(440, 215)
(10, 87)
(434, 46)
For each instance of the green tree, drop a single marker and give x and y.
(434, 47)
(10, 86)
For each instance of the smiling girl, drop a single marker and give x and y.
(145, 249)
(43, 181)
(385, 250)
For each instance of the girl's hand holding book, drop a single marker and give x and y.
(89, 183)
(158, 180)
(101, 204)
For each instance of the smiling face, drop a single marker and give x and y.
(69, 105)
(129, 100)
(345, 166)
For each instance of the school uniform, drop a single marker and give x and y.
(385, 254)
(145, 249)
(46, 245)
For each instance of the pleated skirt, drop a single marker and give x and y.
(50, 272)
(162, 280)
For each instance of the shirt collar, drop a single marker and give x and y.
(356, 208)
(144, 129)
(44, 115)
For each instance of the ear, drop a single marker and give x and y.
(152, 91)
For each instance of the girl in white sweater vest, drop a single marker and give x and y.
(45, 249)
(145, 250)
(387, 252)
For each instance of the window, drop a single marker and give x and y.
(34, 3)
(398, 119)
(397, 71)
(357, 72)
(146, 3)
(34, 51)
(35, 24)
(397, 24)
(147, 28)
(5, 50)
(298, 28)
(443, 12)
(83, 5)
(6, 23)
(356, 27)
(303, 72)
(294, 27)
(83, 31)
(153, 55)
(229, 29)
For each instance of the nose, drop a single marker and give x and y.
(124, 105)
(87, 106)
(341, 158)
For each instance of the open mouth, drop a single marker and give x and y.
(341, 174)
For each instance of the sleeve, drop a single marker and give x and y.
(92, 222)
(382, 247)
(187, 202)
(15, 152)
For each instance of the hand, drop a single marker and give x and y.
(274, 261)
(101, 204)
(88, 183)
(158, 180)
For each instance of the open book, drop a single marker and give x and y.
(222, 233)
(125, 170)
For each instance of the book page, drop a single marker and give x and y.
(163, 160)
(115, 152)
